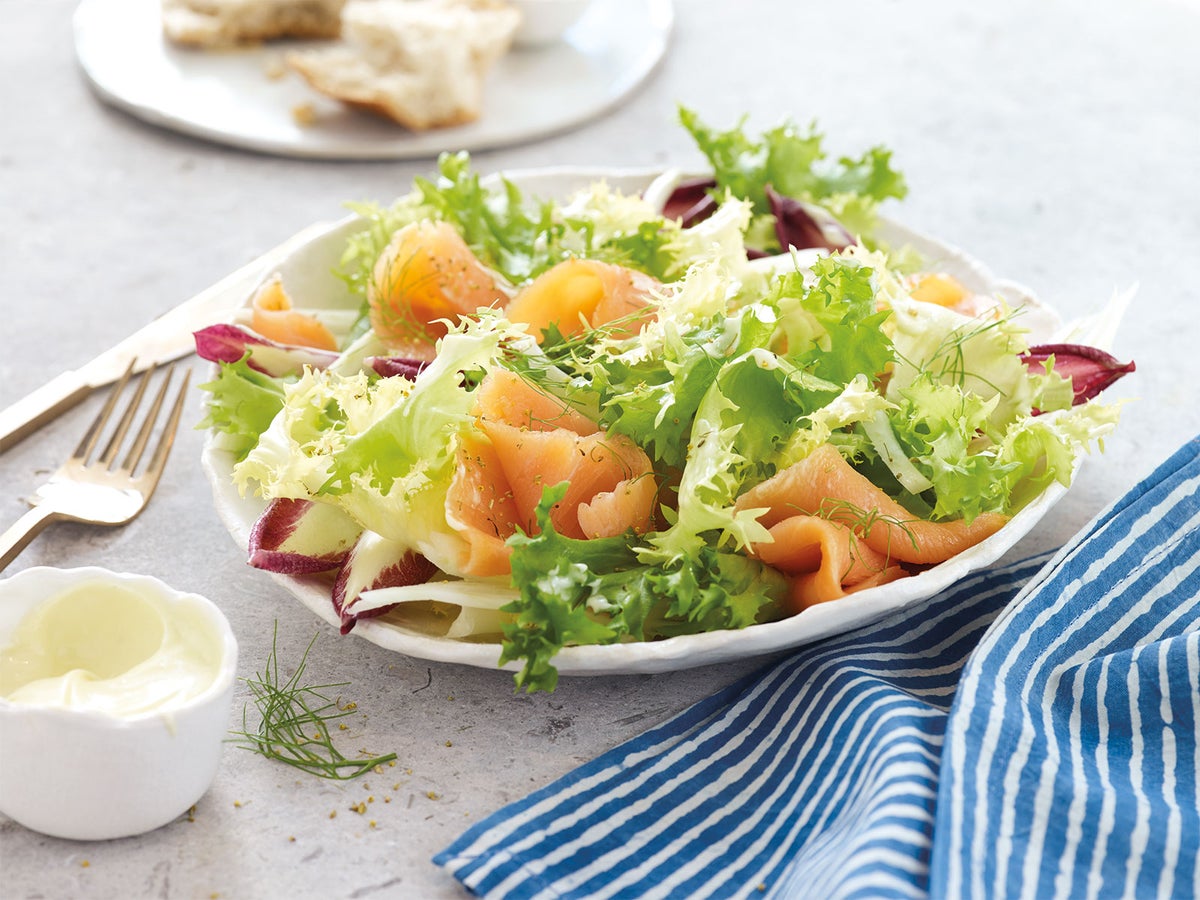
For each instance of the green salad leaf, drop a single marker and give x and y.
(599, 592)
(242, 405)
(515, 237)
(832, 327)
(793, 161)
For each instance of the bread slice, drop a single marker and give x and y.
(421, 63)
(223, 23)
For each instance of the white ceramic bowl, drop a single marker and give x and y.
(309, 275)
(545, 21)
(93, 774)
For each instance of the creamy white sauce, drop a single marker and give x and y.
(109, 649)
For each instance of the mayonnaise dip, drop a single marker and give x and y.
(104, 647)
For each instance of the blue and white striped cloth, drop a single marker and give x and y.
(1059, 759)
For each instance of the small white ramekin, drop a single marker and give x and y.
(545, 21)
(88, 775)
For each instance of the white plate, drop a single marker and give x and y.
(309, 277)
(230, 97)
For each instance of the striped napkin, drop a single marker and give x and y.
(1032, 732)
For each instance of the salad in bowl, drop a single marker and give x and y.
(654, 421)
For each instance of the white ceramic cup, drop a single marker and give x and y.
(89, 775)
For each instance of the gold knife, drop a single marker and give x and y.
(166, 338)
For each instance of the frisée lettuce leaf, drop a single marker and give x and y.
(600, 592)
(242, 404)
(832, 327)
(793, 162)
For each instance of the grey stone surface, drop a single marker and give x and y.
(1059, 142)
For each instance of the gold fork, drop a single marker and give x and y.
(99, 491)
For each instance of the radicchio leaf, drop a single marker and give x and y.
(1091, 370)
(691, 202)
(374, 563)
(388, 366)
(229, 343)
(797, 224)
(806, 225)
(300, 537)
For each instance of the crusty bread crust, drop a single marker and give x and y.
(420, 63)
(400, 96)
(224, 23)
(402, 116)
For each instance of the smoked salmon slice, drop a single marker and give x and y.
(611, 512)
(426, 274)
(578, 294)
(273, 317)
(525, 442)
(824, 484)
(593, 464)
(480, 508)
(826, 559)
(807, 590)
(505, 396)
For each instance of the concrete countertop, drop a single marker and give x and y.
(1057, 142)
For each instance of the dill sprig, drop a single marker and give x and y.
(395, 313)
(948, 362)
(295, 719)
(860, 521)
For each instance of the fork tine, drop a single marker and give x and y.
(167, 438)
(139, 445)
(109, 457)
(92, 435)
